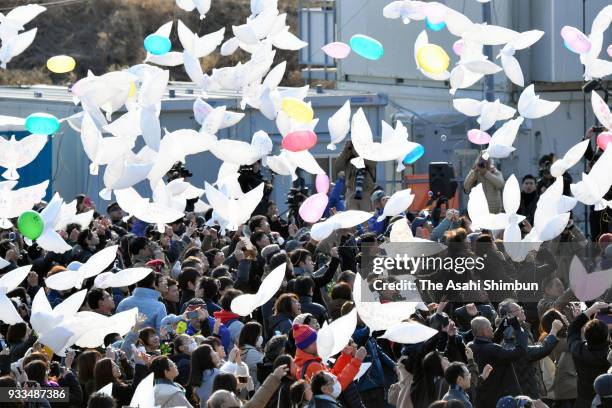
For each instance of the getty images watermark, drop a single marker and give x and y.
(477, 272)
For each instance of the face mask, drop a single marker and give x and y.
(259, 342)
(337, 389)
(192, 346)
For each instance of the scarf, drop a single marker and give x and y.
(225, 316)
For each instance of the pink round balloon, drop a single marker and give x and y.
(575, 40)
(458, 47)
(322, 183)
(610, 50)
(603, 139)
(337, 50)
(313, 207)
(299, 140)
(478, 137)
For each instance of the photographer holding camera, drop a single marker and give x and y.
(546, 179)
(492, 181)
(359, 182)
(251, 177)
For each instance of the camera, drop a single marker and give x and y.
(296, 197)
(359, 180)
(178, 170)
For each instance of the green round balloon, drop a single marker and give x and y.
(30, 224)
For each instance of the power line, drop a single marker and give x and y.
(51, 3)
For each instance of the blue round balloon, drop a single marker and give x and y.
(434, 26)
(367, 47)
(42, 124)
(414, 155)
(157, 45)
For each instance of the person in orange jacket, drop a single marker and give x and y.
(308, 363)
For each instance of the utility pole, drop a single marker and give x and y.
(488, 51)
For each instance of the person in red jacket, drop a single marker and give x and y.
(308, 363)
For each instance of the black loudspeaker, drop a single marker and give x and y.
(442, 180)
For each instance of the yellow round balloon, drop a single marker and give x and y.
(297, 110)
(433, 59)
(60, 64)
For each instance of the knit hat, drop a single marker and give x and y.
(603, 385)
(156, 264)
(304, 335)
(377, 195)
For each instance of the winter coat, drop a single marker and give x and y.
(456, 393)
(399, 393)
(318, 311)
(589, 361)
(503, 380)
(527, 368)
(146, 300)
(168, 395)
(565, 381)
(492, 185)
(183, 364)
(323, 401)
(251, 356)
(281, 323)
(345, 369)
(204, 390)
(375, 376)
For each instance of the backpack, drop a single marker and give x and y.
(349, 397)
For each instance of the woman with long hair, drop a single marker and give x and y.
(204, 369)
(558, 370)
(107, 371)
(85, 371)
(430, 386)
(167, 393)
(250, 342)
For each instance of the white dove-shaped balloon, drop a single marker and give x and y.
(376, 315)
(101, 150)
(402, 242)
(14, 43)
(203, 6)
(74, 279)
(601, 110)
(15, 202)
(397, 203)
(68, 215)
(588, 286)
(333, 337)
(123, 172)
(100, 326)
(594, 67)
(409, 333)
(234, 211)
(501, 143)
(55, 326)
(344, 219)
(50, 240)
(8, 282)
(15, 154)
(530, 105)
(11, 123)
(571, 157)
(201, 110)
(239, 152)
(144, 396)
(176, 146)
(406, 10)
(245, 304)
(488, 112)
(511, 66)
(394, 143)
(594, 186)
(339, 125)
(122, 278)
(149, 99)
(489, 34)
(478, 209)
(145, 210)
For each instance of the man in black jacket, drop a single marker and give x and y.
(590, 354)
(502, 380)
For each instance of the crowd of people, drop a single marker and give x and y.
(552, 352)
